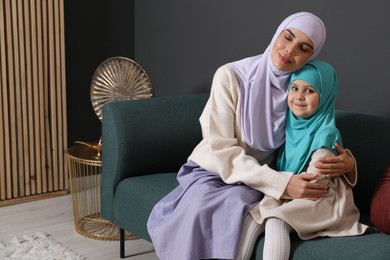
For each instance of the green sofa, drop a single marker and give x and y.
(145, 142)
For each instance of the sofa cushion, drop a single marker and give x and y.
(135, 197)
(380, 206)
(345, 248)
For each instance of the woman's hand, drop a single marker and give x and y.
(337, 165)
(300, 187)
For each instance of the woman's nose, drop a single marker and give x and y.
(290, 50)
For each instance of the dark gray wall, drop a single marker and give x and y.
(95, 30)
(180, 43)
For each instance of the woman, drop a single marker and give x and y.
(230, 169)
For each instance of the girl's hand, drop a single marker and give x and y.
(337, 165)
(300, 187)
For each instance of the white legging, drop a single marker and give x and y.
(277, 239)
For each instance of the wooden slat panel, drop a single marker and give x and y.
(47, 98)
(52, 88)
(11, 101)
(5, 95)
(57, 70)
(23, 121)
(33, 136)
(39, 111)
(63, 89)
(30, 48)
(4, 144)
(19, 175)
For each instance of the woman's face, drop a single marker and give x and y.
(291, 50)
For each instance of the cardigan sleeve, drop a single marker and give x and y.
(222, 128)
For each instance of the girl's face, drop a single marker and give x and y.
(302, 99)
(291, 50)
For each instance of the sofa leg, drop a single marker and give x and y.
(122, 243)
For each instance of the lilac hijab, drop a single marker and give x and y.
(264, 88)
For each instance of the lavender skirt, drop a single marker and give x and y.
(201, 218)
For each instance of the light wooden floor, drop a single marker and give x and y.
(55, 217)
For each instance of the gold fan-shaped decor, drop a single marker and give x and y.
(118, 79)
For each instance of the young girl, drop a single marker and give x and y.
(311, 133)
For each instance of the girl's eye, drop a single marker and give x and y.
(294, 88)
(310, 91)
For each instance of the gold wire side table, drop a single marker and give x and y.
(85, 166)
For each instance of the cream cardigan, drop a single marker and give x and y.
(223, 149)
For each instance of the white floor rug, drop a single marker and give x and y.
(37, 246)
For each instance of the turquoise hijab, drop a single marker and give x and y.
(305, 135)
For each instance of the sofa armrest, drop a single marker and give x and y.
(147, 136)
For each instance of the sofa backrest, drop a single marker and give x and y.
(159, 133)
(170, 130)
(368, 138)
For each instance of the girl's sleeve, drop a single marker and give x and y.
(228, 156)
(350, 177)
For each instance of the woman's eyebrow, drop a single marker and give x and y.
(293, 35)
